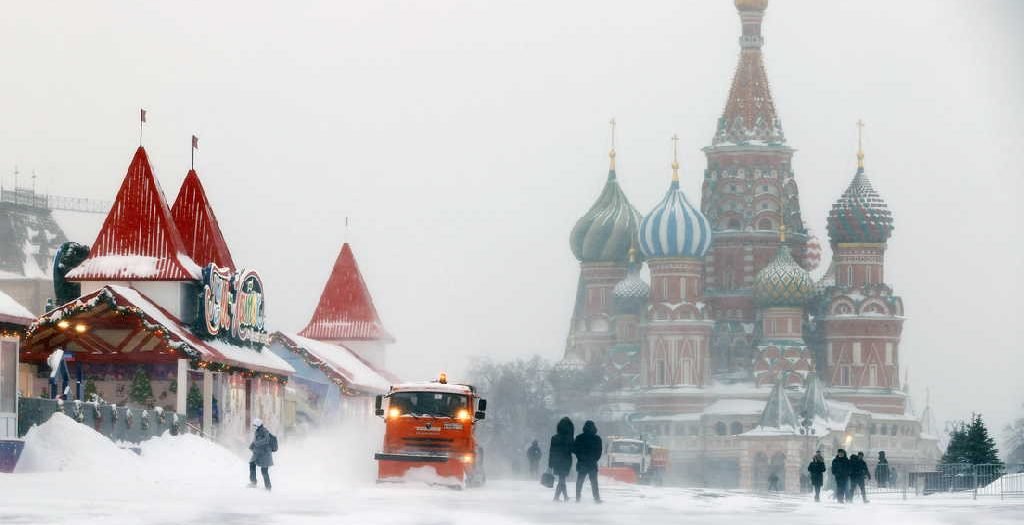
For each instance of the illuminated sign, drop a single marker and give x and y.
(231, 305)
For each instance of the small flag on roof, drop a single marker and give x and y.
(142, 115)
(195, 142)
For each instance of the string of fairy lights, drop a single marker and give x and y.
(58, 318)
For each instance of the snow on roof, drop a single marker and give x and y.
(342, 361)
(197, 224)
(692, 416)
(180, 337)
(738, 407)
(139, 239)
(345, 310)
(432, 386)
(12, 312)
(215, 350)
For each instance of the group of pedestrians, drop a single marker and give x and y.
(586, 447)
(850, 473)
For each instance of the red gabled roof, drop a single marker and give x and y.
(138, 240)
(346, 310)
(198, 226)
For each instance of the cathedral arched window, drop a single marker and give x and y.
(765, 224)
(734, 224)
(720, 428)
(736, 428)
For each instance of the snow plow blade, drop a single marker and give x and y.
(621, 474)
(412, 458)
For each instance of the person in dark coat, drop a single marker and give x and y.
(587, 448)
(533, 456)
(773, 482)
(841, 472)
(882, 470)
(858, 471)
(817, 471)
(262, 456)
(560, 455)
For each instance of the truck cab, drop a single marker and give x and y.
(429, 434)
(635, 461)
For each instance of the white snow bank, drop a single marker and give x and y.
(61, 444)
(190, 459)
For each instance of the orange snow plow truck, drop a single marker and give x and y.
(635, 461)
(428, 434)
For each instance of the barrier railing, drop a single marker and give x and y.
(121, 424)
(961, 479)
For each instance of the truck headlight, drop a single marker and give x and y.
(467, 458)
(394, 413)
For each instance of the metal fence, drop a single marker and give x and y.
(955, 479)
(120, 424)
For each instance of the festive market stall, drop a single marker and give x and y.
(340, 355)
(14, 318)
(163, 320)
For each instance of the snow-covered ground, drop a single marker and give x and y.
(323, 479)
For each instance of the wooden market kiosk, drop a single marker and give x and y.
(161, 296)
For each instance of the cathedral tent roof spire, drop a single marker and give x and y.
(749, 116)
(198, 225)
(778, 413)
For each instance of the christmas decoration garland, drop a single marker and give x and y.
(53, 317)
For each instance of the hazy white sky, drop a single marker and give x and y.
(466, 137)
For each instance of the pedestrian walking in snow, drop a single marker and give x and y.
(773, 482)
(560, 455)
(858, 472)
(587, 448)
(882, 470)
(841, 473)
(262, 447)
(533, 456)
(817, 471)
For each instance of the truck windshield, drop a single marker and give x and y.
(626, 447)
(434, 404)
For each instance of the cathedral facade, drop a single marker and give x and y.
(732, 355)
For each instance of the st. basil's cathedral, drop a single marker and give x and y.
(733, 356)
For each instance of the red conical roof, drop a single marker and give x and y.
(198, 226)
(346, 310)
(749, 116)
(138, 240)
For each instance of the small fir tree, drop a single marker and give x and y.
(194, 402)
(90, 389)
(141, 390)
(971, 443)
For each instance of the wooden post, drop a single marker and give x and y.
(181, 405)
(208, 403)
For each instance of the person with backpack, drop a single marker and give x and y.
(560, 455)
(263, 445)
(817, 470)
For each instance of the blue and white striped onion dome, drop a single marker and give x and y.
(783, 282)
(630, 294)
(675, 228)
(605, 233)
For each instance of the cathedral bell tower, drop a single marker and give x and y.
(862, 318)
(748, 184)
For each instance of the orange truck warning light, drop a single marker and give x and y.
(429, 432)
